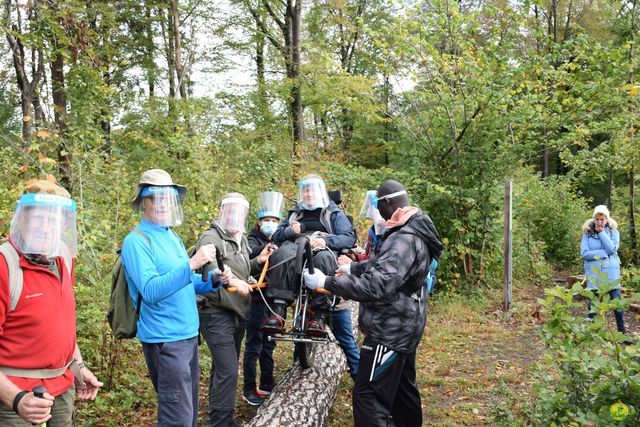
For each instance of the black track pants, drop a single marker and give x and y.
(385, 391)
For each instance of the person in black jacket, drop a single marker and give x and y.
(257, 347)
(318, 218)
(393, 310)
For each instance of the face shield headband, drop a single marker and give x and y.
(312, 194)
(233, 214)
(45, 224)
(161, 206)
(375, 200)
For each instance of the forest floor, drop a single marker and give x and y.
(475, 367)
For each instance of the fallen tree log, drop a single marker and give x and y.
(304, 396)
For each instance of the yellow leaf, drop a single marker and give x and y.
(43, 134)
(26, 118)
(634, 91)
(45, 159)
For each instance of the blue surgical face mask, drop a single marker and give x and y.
(268, 228)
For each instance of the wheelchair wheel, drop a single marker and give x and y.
(305, 353)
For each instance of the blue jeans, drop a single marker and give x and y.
(343, 331)
(174, 370)
(613, 294)
(257, 348)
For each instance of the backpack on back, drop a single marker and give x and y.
(122, 316)
(12, 259)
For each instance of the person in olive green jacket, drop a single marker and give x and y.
(222, 313)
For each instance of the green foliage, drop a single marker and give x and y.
(588, 369)
(548, 215)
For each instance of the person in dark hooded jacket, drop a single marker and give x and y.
(393, 310)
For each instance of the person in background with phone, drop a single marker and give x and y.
(599, 251)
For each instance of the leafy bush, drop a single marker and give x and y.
(549, 215)
(591, 377)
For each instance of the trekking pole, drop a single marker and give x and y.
(39, 392)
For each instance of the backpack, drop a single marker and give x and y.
(122, 317)
(16, 278)
(432, 278)
(15, 273)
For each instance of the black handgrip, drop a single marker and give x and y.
(307, 248)
(39, 391)
(207, 267)
(219, 259)
(205, 271)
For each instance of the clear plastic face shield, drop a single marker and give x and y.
(270, 204)
(45, 224)
(312, 194)
(161, 206)
(372, 213)
(233, 215)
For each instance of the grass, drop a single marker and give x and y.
(473, 367)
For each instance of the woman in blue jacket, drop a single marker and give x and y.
(158, 268)
(599, 251)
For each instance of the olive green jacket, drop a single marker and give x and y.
(235, 257)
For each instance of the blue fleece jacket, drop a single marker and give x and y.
(160, 271)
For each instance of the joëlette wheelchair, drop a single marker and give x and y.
(304, 344)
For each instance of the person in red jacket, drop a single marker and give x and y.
(38, 335)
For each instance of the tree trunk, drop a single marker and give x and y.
(27, 88)
(632, 217)
(177, 48)
(610, 189)
(60, 113)
(545, 154)
(167, 35)
(304, 397)
(297, 120)
(149, 50)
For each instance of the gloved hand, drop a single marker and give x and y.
(315, 280)
(344, 269)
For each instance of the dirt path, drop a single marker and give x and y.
(475, 366)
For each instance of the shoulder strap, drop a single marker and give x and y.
(15, 273)
(139, 305)
(143, 235)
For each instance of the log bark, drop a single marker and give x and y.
(304, 397)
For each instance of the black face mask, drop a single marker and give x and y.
(40, 260)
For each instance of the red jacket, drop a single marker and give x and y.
(40, 333)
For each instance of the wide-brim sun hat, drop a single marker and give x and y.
(158, 178)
